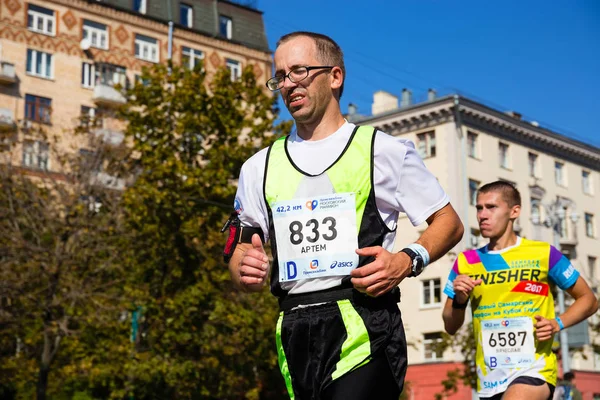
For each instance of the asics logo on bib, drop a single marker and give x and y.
(314, 264)
(341, 264)
(312, 204)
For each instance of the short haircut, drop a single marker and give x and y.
(569, 376)
(509, 192)
(328, 51)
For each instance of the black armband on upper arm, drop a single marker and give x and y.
(238, 234)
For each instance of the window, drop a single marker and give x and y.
(533, 165)
(589, 225)
(586, 182)
(563, 228)
(592, 268)
(139, 6)
(96, 33)
(139, 80)
(89, 161)
(88, 116)
(536, 211)
(146, 48)
(39, 64)
(41, 20)
(431, 293)
(432, 349)
(475, 236)
(472, 144)
(473, 186)
(503, 154)
(110, 75)
(37, 108)
(35, 154)
(186, 15)
(559, 173)
(225, 26)
(235, 68)
(191, 57)
(426, 144)
(88, 75)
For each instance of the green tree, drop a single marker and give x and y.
(59, 268)
(198, 337)
(462, 342)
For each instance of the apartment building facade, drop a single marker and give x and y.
(61, 59)
(466, 144)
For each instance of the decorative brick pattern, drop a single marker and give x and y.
(69, 20)
(215, 60)
(121, 34)
(257, 71)
(12, 5)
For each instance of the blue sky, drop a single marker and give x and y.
(539, 58)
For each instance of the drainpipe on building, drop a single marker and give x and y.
(463, 166)
(170, 39)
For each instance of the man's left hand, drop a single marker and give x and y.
(383, 274)
(545, 328)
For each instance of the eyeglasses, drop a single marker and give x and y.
(295, 76)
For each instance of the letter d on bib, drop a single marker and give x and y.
(291, 270)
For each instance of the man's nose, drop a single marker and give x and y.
(288, 84)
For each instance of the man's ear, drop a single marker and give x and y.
(336, 77)
(515, 211)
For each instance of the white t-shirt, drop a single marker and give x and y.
(402, 183)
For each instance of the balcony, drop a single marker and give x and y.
(8, 75)
(110, 136)
(107, 96)
(7, 121)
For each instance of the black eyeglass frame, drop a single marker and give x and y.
(281, 79)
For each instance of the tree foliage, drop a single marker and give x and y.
(59, 269)
(462, 342)
(126, 289)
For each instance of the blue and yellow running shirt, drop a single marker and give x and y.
(514, 289)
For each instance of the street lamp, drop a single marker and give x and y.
(556, 215)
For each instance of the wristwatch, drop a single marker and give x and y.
(417, 262)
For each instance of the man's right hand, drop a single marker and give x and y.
(254, 265)
(463, 286)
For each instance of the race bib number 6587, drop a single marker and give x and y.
(316, 236)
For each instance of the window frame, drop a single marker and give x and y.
(563, 175)
(533, 168)
(190, 15)
(142, 8)
(88, 30)
(430, 284)
(193, 55)
(430, 341)
(228, 33)
(586, 182)
(234, 66)
(504, 157)
(42, 110)
(473, 193)
(39, 156)
(473, 146)
(142, 42)
(34, 54)
(38, 12)
(429, 139)
(88, 73)
(589, 225)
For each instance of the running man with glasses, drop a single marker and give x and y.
(328, 197)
